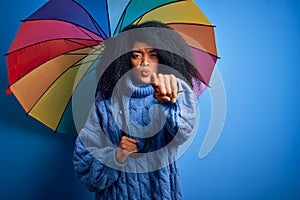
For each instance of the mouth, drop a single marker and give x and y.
(145, 73)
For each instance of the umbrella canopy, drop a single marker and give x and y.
(61, 37)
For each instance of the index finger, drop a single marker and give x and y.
(174, 87)
(154, 80)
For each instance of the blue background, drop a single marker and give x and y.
(257, 155)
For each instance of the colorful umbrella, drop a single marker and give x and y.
(61, 36)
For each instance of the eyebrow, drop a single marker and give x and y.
(140, 51)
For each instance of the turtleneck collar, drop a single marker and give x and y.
(138, 90)
(131, 89)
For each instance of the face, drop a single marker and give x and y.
(144, 61)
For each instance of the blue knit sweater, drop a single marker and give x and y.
(153, 175)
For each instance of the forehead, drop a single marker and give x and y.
(141, 45)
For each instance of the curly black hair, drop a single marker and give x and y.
(171, 48)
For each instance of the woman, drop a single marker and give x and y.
(144, 110)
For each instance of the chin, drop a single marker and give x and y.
(144, 80)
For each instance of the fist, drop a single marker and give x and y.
(126, 147)
(165, 87)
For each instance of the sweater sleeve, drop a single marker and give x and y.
(93, 156)
(181, 116)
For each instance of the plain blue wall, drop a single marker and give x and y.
(257, 155)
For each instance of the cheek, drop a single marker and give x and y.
(155, 68)
(133, 64)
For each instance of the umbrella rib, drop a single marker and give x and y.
(44, 41)
(87, 72)
(205, 52)
(122, 17)
(93, 20)
(75, 65)
(55, 131)
(141, 17)
(70, 40)
(174, 23)
(108, 18)
(78, 54)
(82, 30)
(121, 21)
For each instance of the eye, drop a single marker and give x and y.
(135, 55)
(154, 55)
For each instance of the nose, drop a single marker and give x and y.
(145, 61)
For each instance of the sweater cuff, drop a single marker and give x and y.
(118, 164)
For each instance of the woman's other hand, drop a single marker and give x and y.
(127, 146)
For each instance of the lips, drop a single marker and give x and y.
(145, 73)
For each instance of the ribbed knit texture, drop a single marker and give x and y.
(110, 183)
